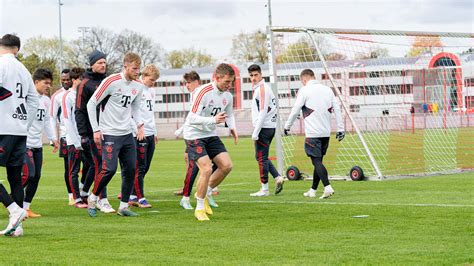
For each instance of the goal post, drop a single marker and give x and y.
(406, 97)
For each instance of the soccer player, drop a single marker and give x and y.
(43, 79)
(211, 105)
(16, 115)
(113, 133)
(55, 114)
(72, 137)
(92, 78)
(317, 102)
(145, 147)
(264, 119)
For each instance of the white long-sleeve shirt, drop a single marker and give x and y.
(56, 112)
(317, 102)
(264, 112)
(148, 116)
(40, 123)
(123, 101)
(68, 106)
(207, 102)
(19, 99)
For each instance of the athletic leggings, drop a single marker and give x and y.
(32, 172)
(319, 173)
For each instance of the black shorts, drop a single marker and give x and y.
(211, 147)
(316, 147)
(186, 150)
(63, 148)
(12, 150)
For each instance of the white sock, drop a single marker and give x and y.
(132, 197)
(70, 195)
(26, 205)
(209, 191)
(81, 186)
(185, 198)
(140, 200)
(265, 186)
(123, 205)
(93, 197)
(328, 188)
(199, 204)
(14, 207)
(83, 193)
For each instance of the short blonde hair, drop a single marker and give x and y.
(132, 58)
(151, 71)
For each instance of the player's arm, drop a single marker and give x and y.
(340, 124)
(194, 115)
(295, 111)
(69, 122)
(32, 102)
(104, 89)
(52, 113)
(138, 108)
(48, 129)
(264, 98)
(230, 121)
(80, 114)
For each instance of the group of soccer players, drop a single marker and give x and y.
(106, 120)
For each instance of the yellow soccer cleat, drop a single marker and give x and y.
(201, 215)
(31, 214)
(207, 207)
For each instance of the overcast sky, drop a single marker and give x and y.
(210, 25)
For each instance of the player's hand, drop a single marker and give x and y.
(286, 131)
(221, 117)
(140, 132)
(233, 132)
(98, 137)
(55, 146)
(156, 139)
(340, 135)
(178, 132)
(254, 137)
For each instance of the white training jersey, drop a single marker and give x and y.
(68, 106)
(40, 123)
(56, 112)
(16, 86)
(148, 116)
(264, 112)
(122, 101)
(180, 130)
(317, 102)
(207, 102)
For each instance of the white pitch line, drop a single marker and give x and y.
(317, 202)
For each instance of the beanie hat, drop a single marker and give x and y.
(95, 56)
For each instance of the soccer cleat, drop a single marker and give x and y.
(119, 196)
(15, 220)
(18, 231)
(126, 212)
(201, 215)
(279, 184)
(207, 207)
(186, 204)
(91, 207)
(84, 199)
(133, 202)
(327, 194)
(212, 202)
(215, 191)
(80, 205)
(178, 193)
(260, 193)
(71, 201)
(104, 206)
(31, 214)
(144, 204)
(310, 193)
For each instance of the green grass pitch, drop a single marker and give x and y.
(411, 221)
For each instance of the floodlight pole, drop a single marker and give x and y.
(60, 39)
(273, 84)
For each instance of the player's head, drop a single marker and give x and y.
(255, 73)
(306, 75)
(43, 79)
(76, 74)
(131, 65)
(225, 75)
(191, 80)
(66, 82)
(150, 73)
(10, 43)
(97, 62)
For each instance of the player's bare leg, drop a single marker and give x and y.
(224, 166)
(205, 170)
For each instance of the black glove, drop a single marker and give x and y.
(286, 131)
(340, 135)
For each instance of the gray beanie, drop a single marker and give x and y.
(95, 56)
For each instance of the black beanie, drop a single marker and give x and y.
(95, 56)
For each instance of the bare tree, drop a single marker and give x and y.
(188, 58)
(131, 41)
(250, 47)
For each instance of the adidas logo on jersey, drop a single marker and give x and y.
(20, 112)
